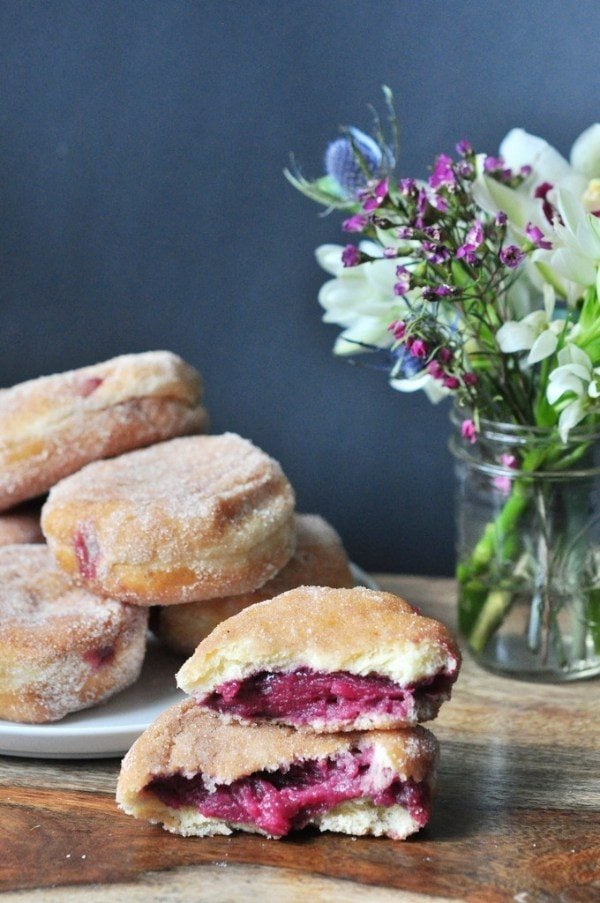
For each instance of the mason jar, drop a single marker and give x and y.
(528, 549)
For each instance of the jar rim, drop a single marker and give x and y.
(522, 434)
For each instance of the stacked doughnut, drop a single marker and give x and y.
(65, 646)
(303, 710)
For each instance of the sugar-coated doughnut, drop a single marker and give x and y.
(197, 775)
(61, 649)
(319, 559)
(50, 427)
(21, 525)
(194, 518)
(326, 660)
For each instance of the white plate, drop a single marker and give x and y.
(109, 730)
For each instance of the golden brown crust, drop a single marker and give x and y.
(61, 649)
(319, 559)
(21, 525)
(357, 630)
(193, 518)
(52, 426)
(187, 739)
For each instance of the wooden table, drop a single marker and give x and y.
(517, 816)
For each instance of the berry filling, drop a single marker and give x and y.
(95, 658)
(90, 385)
(280, 801)
(304, 696)
(87, 551)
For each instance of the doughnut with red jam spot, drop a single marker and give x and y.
(61, 648)
(52, 426)
(195, 518)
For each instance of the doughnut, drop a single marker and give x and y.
(50, 427)
(319, 559)
(325, 660)
(21, 525)
(197, 775)
(61, 649)
(194, 518)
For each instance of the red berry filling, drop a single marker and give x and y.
(87, 551)
(98, 657)
(277, 802)
(304, 696)
(90, 385)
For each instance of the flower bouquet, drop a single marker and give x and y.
(481, 283)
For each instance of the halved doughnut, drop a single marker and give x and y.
(326, 660)
(197, 775)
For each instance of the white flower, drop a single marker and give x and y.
(537, 332)
(574, 377)
(573, 262)
(360, 299)
(433, 388)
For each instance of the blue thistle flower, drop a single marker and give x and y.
(343, 163)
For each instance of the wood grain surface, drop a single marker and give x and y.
(517, 815)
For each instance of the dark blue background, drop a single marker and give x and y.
(143, 206)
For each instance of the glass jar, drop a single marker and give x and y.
(528, 549)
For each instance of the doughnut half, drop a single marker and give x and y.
(325, 660)
(197, 775)
(50, 427)
(61, 649)
(194, 518)
(319, 559)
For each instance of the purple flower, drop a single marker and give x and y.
(451, 382)
(541, 193)
(466, 253)
(536, 237)
(501, 218)
(418, 348)
(350, 256)
(341, 161)
(511, 256)
(525, 170)
(355, 223)
(407, 186)
(444, 290)
(470, 379)
(436, 253)
(403, 284)
(435, 369)
(468, 430)
(464, 148)
(376, 196)
(398, 329)
(405, 232)
(442, 173)
(494, 164)
(475, 235)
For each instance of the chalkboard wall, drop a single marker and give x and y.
(143, 206)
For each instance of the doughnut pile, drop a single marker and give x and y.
(143, 511)
(65, 646)
(303, 710)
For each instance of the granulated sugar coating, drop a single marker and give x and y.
(52, 426)
(319, 559)
(186, 520)
(61, 648)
